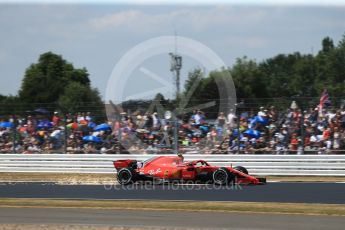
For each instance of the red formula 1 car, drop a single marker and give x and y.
(173, 168)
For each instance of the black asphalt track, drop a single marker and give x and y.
(326, 193)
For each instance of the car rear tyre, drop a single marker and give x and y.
(125, 176)
(241, 169)
(222, 176)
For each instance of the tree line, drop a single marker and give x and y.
(284, 76)
(55, 81)
(54, 84)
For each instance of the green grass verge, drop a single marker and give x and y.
(257, 207)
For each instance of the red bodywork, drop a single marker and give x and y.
(174, 168)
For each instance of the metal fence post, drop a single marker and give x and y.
(238, 116)
(120, 119)
(65, 132)
(302, 130)
(175, 136)
(14, 138)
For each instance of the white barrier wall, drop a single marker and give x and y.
(317, 165)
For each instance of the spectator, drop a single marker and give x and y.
(199, 118)
(232, 119)
(56, 119)
(221, 120)
(280, 131)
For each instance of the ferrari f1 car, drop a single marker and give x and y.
(173, 168)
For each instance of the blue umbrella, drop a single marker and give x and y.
(6, 124)
(261, 120)
(252, 133)
(252, 123)
(44, 124)
(92, 124)
(92, 139)
(102, 127)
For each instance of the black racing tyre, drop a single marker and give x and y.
(223, 176)
(241, 169)
(125, 176)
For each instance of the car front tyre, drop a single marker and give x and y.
(222, 176)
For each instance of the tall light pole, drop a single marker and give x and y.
(175, 67)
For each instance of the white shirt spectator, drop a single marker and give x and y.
(55, 133)
(156, 121)
(198, 118)
(231, 120)
(313, 138)
(88, 118)
(80, 118)
(331, 115)
(261, 112)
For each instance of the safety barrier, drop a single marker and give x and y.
(289, 165)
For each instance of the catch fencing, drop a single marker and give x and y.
(269, 165)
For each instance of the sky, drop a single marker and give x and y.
(97, 36)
